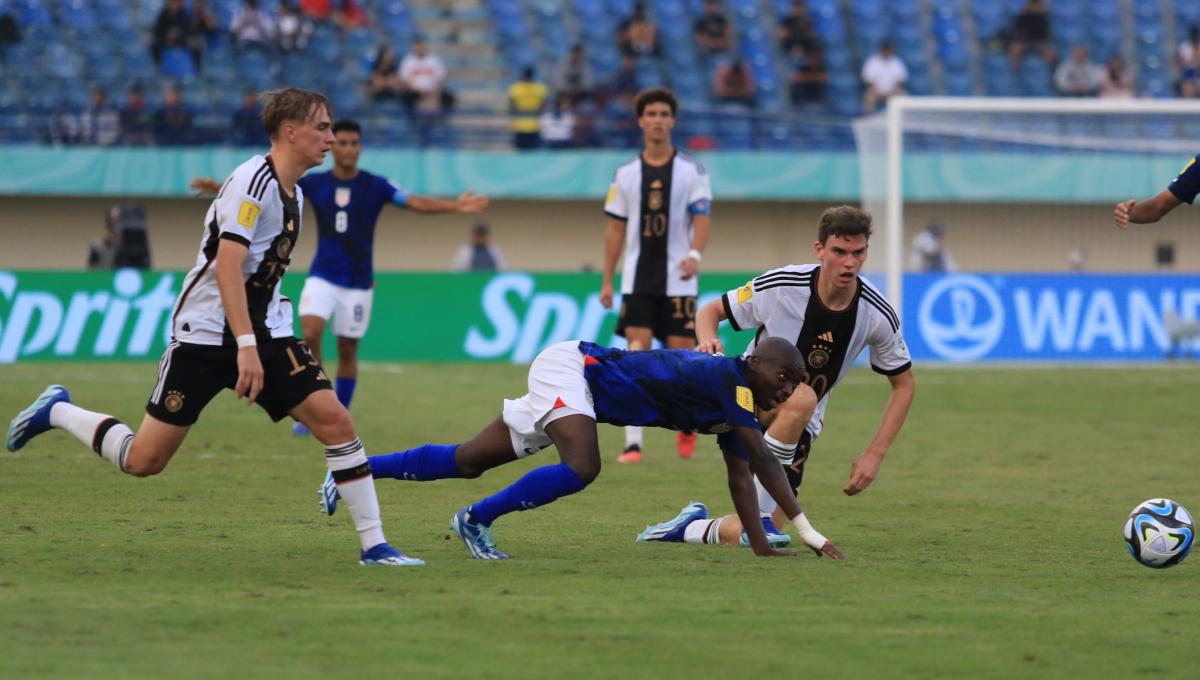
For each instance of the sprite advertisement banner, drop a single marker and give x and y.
(508, 316)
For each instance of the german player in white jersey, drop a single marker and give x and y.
(833, 314)
(232, 329)
(658, 208)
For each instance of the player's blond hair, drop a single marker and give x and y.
(843, 220)
(291, 104)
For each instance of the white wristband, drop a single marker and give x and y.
(247, 340)
(695, 255)
(811, 537)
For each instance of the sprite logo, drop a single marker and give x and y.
(121, 315)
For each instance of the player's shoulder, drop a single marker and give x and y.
(877, 303)
(792, 275)
(690, 161)
(632, 166)
(252, 177)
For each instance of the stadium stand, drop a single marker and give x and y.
(67, 48)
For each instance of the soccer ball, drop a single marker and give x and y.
(1159, 533)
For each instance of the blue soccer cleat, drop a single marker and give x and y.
(384, 555)
(35, 419)
(775, 537)
(672, 530)
(477, 537)
(329, 495)
(299, 429)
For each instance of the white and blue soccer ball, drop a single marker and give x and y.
(1159, 533)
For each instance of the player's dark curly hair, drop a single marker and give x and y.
(347, 125)
(291, 104)
(655, 95)
(843, 220)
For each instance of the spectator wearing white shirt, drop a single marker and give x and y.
(479, 254)
(252, 27)
(558, 123)
(422, 74)
(884, 75)
(1078, 76)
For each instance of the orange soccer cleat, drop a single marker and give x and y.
(685, 444)
(633, 454)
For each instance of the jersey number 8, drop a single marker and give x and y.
(341, 222)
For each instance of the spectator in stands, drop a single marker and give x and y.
(711, 30)
(525, 100)
(929, 254)
(102, 251)
(574, 76)
(292, 29)
(557, 123)
(1187, 59)
(173, 120)
(247, 128)
(809, 76)
(202, 32)
(479, 254)
(385, 80)
(1078, 76)
(733, 83)
(1031, 34)
(422, 75)
(624, 86)
(10, 33)
(796, 30)
(172, 28)
(637, 35)
(137, 121)
(1116, 83)
(252, 27)
(884, 75)
(100, 122)
(346, 14)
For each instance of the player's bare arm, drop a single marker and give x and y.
(745, 502)
(701, 224)
(467, 203)
(866, 466)
(614, 240)
(1145, 212)
(228, 272)
(708, 319)
(205, 186)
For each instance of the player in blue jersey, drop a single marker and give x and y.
(340, 284)
(574, 385)
(1183, 190)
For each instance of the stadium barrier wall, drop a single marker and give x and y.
(125, 315)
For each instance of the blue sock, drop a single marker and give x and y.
(345, 390)
(538, 487)
(424, 463)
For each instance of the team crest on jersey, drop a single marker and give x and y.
(341, 197)
(818, 358)
(745, 398)
(655, 199)
(173, 402)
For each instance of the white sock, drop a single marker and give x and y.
(107, 436)
(348, 463)
(766, 504)
(703, 531)
(633, 436)
(783, 451)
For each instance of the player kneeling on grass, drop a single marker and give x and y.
(574, 385)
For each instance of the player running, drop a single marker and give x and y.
(231, 328)
(1183, 190)
(833, 314)
(658, 205)
(341, 284)
(574, 385)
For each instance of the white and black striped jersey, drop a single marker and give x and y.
(784, 303)
(657, 203)
(253, 210)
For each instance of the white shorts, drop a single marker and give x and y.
(349, 307)
(557, 388)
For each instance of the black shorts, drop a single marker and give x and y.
(190, 375)
(664, 316)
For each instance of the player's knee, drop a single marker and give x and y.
(587, 469)
(801, 405)
(137, 464)
(332, 426)
(347, 351)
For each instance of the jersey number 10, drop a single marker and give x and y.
(654, 225)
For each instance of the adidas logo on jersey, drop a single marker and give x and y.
(826, 336)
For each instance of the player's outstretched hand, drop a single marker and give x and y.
(862, 473)
(250, 375)
(204, 186)
(712, 346)
(829, 550)
(1121, 213)
(470, 202)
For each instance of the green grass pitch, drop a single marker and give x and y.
(989, 546)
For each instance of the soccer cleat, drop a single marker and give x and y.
(672, 530)
(299, 429)
(775, 537)
(685, 444)
(329, 495)
(35, 419)
(632, 454)
(477, 537)
(384, 555)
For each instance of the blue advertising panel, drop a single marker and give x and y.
(1050, 317)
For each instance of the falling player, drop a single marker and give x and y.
(658, 205)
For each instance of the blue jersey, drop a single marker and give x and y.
(673, 388)
(1187, 184)
(346, 213)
